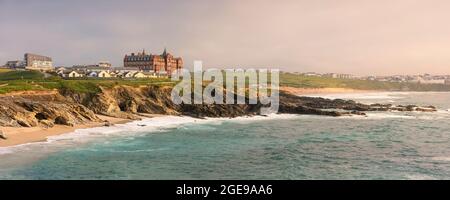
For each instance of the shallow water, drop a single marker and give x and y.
(392, 145)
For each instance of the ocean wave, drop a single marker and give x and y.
(15, 148)
(134, 128)
(85, 135)
(5, 150)
(158, 124)
(364, 96)
(419, 177)
(246, 119)
(444, 159)
(377, 116)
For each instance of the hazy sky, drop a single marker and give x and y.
(346, 36)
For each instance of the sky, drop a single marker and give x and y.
(361, 37)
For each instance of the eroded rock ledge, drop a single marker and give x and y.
(42, 110)
(70, 108)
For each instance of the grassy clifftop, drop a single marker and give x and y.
(300, 81)
(12, 81)
(6, 75)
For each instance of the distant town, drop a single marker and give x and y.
(135, 65)
(144, 65)
(421, 79)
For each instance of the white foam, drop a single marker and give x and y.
(363, 96)
(256, 118)
(387, 115)
(136, 127)
(5, 150)
(12, 149)
(445, 159)
(158, 124)
(419, 177)
(133, 128)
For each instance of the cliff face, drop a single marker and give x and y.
(69, 108)
(42, 110)
(127, 102)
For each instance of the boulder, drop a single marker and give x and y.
(63, 121)
(3, 135)
(107, 123)
(47, 123)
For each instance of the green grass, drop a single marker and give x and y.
(20, 75)
(11, 81)
(299, 81)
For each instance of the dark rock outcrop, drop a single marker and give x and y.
(71, 108)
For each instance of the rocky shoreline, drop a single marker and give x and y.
(70, 108)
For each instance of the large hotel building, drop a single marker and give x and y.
(163, 64)
(38, 62)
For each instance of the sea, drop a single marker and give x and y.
(381, 145)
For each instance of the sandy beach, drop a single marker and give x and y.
(19, 135)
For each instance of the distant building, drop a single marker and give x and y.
(139, 75)
(38, 62)
(340, 76)
(90, 68)
(16, 64)
(163, 64)
(311, 74)
(104, 74)
(129, 74)
(113, 74)
(70, 73)
(60, 69)
(92, 74)
(75, 74)
(127, 69)
(105, 64)
(447, 82)
(422, 80)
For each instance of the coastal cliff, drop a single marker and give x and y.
(42, 109)
(69, 108)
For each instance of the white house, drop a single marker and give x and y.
(74, 74)
(129, 74)
(60, 69)
(104, 74)
(113, 74)
(139, 75)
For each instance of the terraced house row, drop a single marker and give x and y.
(104, 73)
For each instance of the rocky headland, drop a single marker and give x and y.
(46, 109)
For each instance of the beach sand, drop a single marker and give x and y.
(23, 135)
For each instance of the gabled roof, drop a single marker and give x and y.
(68, 71)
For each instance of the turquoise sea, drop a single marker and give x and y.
(384, 145)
